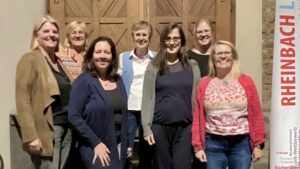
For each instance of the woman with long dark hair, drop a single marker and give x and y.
(168, 91)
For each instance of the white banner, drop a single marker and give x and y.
(285, 109)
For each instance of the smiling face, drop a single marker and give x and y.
(173, 41)
(102, 56)
(77, 37)
(203, 34)
(223, 58)
(48, 37)
(141, 38)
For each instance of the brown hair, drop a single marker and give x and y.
(160, 61)
(88, 63)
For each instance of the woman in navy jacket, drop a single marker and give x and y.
(98, 108)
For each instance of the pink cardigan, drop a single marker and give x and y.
(255, 115)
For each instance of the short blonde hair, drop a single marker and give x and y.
(73, 25)
(141, 25)
(235, 69)
(34, 42)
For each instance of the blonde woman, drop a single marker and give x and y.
(75, 47)
(228, 125)
(42, 96)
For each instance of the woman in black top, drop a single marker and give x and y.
(98, 108)
(202, 46)
(168, 91)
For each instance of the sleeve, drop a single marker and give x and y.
(78, 99)
(196, 134)
(148, 97)
(256, 118)
(25, 79)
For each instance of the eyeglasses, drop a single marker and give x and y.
(226, 53)
(176, 40)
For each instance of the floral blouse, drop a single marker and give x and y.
(226, 109)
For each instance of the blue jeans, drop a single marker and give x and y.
(133, 122)
(233, 152)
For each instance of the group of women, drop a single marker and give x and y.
(86, 98)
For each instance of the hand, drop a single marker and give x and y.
(201, 155)
(129, 152)
(257, 154)
(35, 146)
(102, 152)
(150, 139)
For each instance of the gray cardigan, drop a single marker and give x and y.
(148, 99)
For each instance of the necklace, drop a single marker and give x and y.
(225, 83)
(104, 82)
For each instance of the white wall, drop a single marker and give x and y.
(16, 19)
(249, 38)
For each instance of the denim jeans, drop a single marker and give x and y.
(62, 144)
(233, 152)
(133, 122)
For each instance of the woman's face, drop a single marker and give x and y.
(77, 37)
(203, 34)
(173, 41)
(223, 58)
(102, 56)
(141, 38)
(48, 37)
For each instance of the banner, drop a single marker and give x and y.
(285, 109)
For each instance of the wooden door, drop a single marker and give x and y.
(115, 17)
(187, 13)
(112, 18)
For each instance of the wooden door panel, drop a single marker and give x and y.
(168, 8)
(202, 8)
(115, 17)
(113, 8)
(118, 33)
(78, 8)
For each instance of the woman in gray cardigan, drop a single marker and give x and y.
(168, 92)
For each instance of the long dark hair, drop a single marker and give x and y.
(160, 61)
(88, 63)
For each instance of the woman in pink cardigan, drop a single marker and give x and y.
(228, 124)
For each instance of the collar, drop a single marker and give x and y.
(149, 54)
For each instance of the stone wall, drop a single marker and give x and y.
(267, 51)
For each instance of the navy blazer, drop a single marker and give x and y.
(91, 114)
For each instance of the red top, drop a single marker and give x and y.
(255, 114)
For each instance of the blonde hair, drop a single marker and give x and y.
(34, 45)
(235, 69)
(141, 25)
(70, 27)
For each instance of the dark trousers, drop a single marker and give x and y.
(172, 148)
(74, 160)
(145, 152)
(197, 164)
